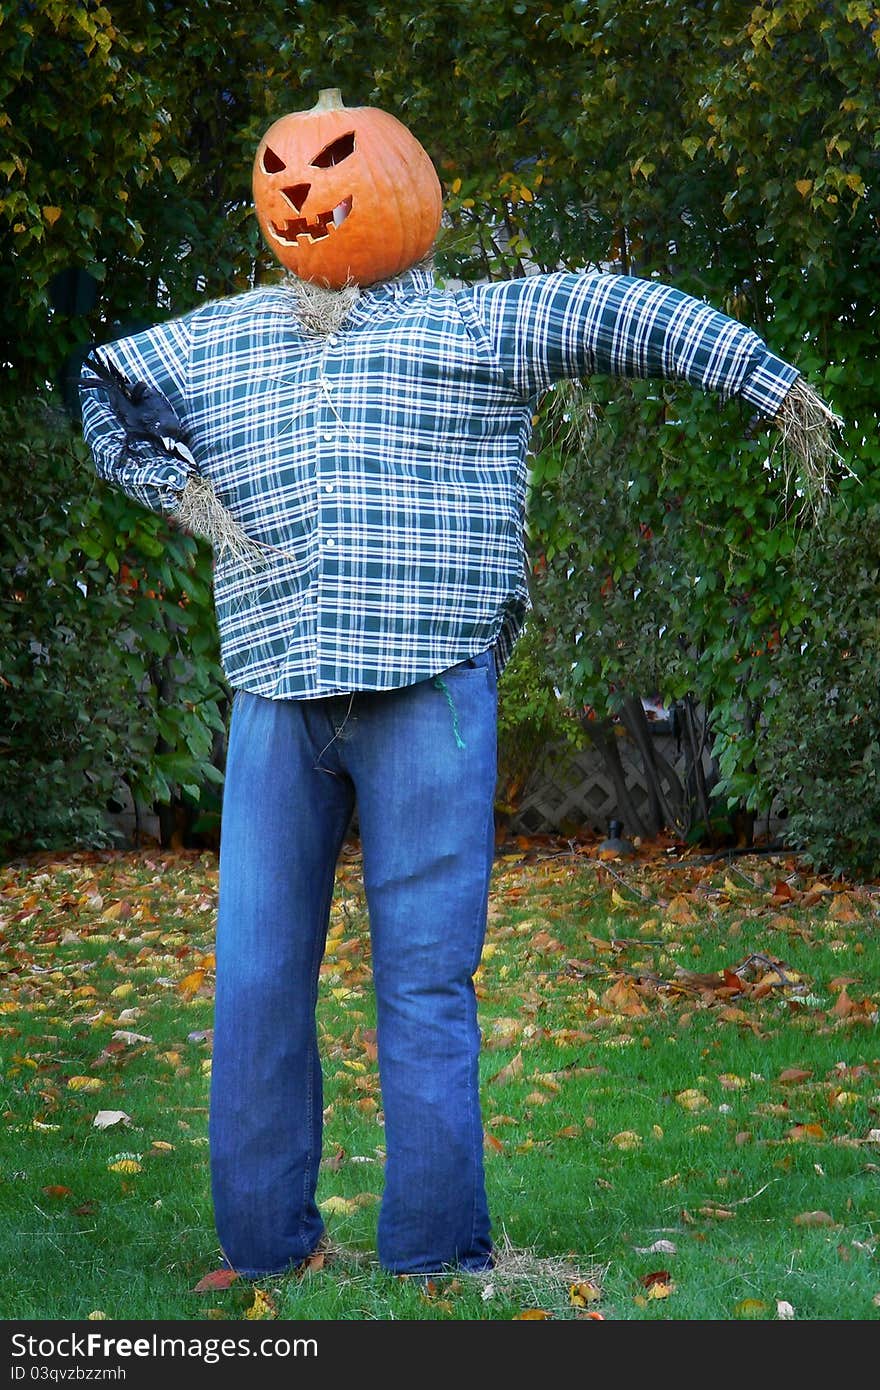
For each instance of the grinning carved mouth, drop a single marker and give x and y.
(290, 231)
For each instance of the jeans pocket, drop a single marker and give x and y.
(472, 665)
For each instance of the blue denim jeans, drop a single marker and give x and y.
(421, 763)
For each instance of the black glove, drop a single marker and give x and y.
(143, 411)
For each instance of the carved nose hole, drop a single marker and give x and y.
(297, 194)
(335, 152)
(272, 163)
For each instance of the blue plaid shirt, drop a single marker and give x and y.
(386, 463)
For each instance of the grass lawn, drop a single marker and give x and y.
(681, 1089)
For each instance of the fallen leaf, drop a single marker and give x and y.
(784, 1311)
(793, 1076)
(217, 1279)
(660, 1290)
(579, 1295)
(751, 1308)
(802, 1133)
(191, 984)
(533, 1315)
(660, 1247)
(124, 1163)
(513, 1069)
(262, 1308)
(626, 1139)
(84, 1083)
(814, 1218)
(57, 1191)
(339, 1206)
(622, 998)
(657, 1276)
(692, 1100)
(717, 1213)
(105, 1119)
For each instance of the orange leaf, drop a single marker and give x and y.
(793, 1076)
(217, 1279)
(190, 984)
(815, 1218)
(57, 1191)
(799, 1133)
(622, 998)
(533, 1315)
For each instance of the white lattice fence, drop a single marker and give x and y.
(572, 791)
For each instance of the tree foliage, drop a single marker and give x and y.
(729, 148)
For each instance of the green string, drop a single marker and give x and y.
(440, 684)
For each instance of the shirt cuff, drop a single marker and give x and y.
(768, 383)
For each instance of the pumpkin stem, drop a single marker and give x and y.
(330, 99)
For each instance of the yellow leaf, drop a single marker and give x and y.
(751, 1308)
(660, 1290)
(692, 1100)
(51, 215)
(262, 1308)
(579, 1295)
(846, 1098)
(84, 1083)
(626, 1139)
(124, 1163)
(122, 991)
(339, 1206)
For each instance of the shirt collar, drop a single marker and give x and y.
(419, 279)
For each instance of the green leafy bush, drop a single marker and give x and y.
(108, 665)
(820, 745)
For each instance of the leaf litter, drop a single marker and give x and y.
(95, 942)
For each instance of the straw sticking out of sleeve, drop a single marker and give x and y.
(202, 512)
(810, 459)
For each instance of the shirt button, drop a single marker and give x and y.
(327, 436)
(328, 487)
(329, 542)
(332, 341)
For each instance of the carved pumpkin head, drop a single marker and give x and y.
(345, 194)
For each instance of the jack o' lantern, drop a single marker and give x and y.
(345, 194)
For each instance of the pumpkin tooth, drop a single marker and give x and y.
(295, 227)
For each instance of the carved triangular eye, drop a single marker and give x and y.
(272, 163)
(335, 152)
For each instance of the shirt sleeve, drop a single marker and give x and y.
(159, 357)
(546, 327)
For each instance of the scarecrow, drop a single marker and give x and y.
(352, 440)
